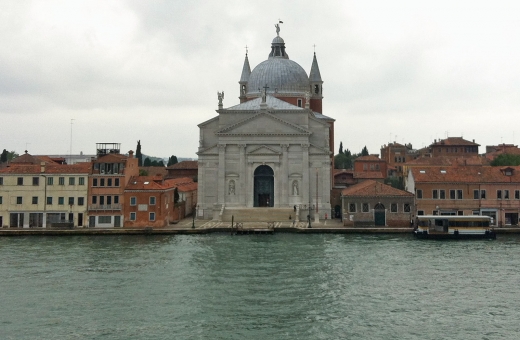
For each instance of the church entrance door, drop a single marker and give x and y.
(264, 186)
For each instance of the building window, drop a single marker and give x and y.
(36, 180)
(61, 200)
(102, 182)
(452, 194)
(0, 199)
(152, 216)
(81, 180)
(19, 181)
(517, 194)
(116, 199)
(105, 219)
(365, 207)
(109, 200)
(94, 199)
(50, 180)
(419, 193)
(101, 200)
(506, 194)
(1, 181)
(94, 182)
(72, 180)
(109, 182)
(460, 213)
(133, 200)
(35, 200)
(152, 200)
(71, 200)
(81, 200)
(435, 194)
(393, 207)
(476, 195)
(365, 166)
(420, 212)
(442, 194)
(61, 180)
(132, 216)
(352, 207)
(116, 182)
(499, 194)
(459, 194)
(407, 207)
(299, 102)
(19, 200)
(483, 194)
(49, 200)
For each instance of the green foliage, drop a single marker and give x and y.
(342, 161)
(12, 155)
(395, 182)
(364, 152)
(506, 160)
(175, 195)
(143, 172)
(147, 162)
(3, 157)
(172, 160)
(138, 153)
(340, 148)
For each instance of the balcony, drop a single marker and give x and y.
(104, 207)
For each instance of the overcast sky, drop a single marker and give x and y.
(122, 71)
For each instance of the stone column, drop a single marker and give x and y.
(201, 199)
(221, 174)
(284, 176)
(305, 189)
(242, 186)
(249, 185)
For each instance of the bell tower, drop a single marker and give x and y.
(316, 86)
(244, 78)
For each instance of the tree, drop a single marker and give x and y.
(147, 162)
(138, 153)
(172, 160)
(3, 157)
(364, 152)
(340, 147)
(506, 159)
(11, 155)
(143, 172)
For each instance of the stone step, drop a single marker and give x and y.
(258, 214)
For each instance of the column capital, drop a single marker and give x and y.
(221, 147)
(284, 147)
(305, 146)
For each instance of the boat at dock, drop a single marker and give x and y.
(454, 227)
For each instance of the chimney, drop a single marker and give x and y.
(42, 167)
(130, 154)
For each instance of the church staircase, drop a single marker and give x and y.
(258, 214)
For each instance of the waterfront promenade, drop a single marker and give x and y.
(190, 226)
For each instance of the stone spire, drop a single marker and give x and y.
(316, 84)
(315, 76)
(244, 78)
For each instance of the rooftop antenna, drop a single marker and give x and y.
(246, 50)
(70, 150)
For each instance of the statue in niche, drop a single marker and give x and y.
(295, 188)
(231, 187)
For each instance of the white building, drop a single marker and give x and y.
(272, 150)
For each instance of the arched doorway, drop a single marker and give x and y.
(264, 186)
(379, 214)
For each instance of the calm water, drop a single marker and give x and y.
(280, 286)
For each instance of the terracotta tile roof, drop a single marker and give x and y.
(183, 184)
(454, 141)
(447, 161)
(78, 168)
(368, 158)
(154, 170)
(26, 159)
(343, 171)
(370, 188)
(368, 175)
(465, 174)
(185, 165)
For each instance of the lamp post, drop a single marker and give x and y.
(193, 221)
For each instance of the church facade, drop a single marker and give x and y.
(274, 149)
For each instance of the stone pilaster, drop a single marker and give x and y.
(284, 176)
(305, 190)
(242, 186)
(221, 173)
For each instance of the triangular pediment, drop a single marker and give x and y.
(313, 149)
(211, 150)
(264, 124)
(264, 150)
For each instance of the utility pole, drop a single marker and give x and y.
(70, 150)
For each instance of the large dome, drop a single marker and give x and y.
(280, 75)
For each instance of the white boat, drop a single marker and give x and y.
(446, 227)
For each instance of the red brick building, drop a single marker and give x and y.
(183, 169)
(372, 203)
(467, 190)
(454, 147)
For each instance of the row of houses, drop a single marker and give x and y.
(447, 178)
(105, 192)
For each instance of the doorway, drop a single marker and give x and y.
(264, 186)
(379, 215)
